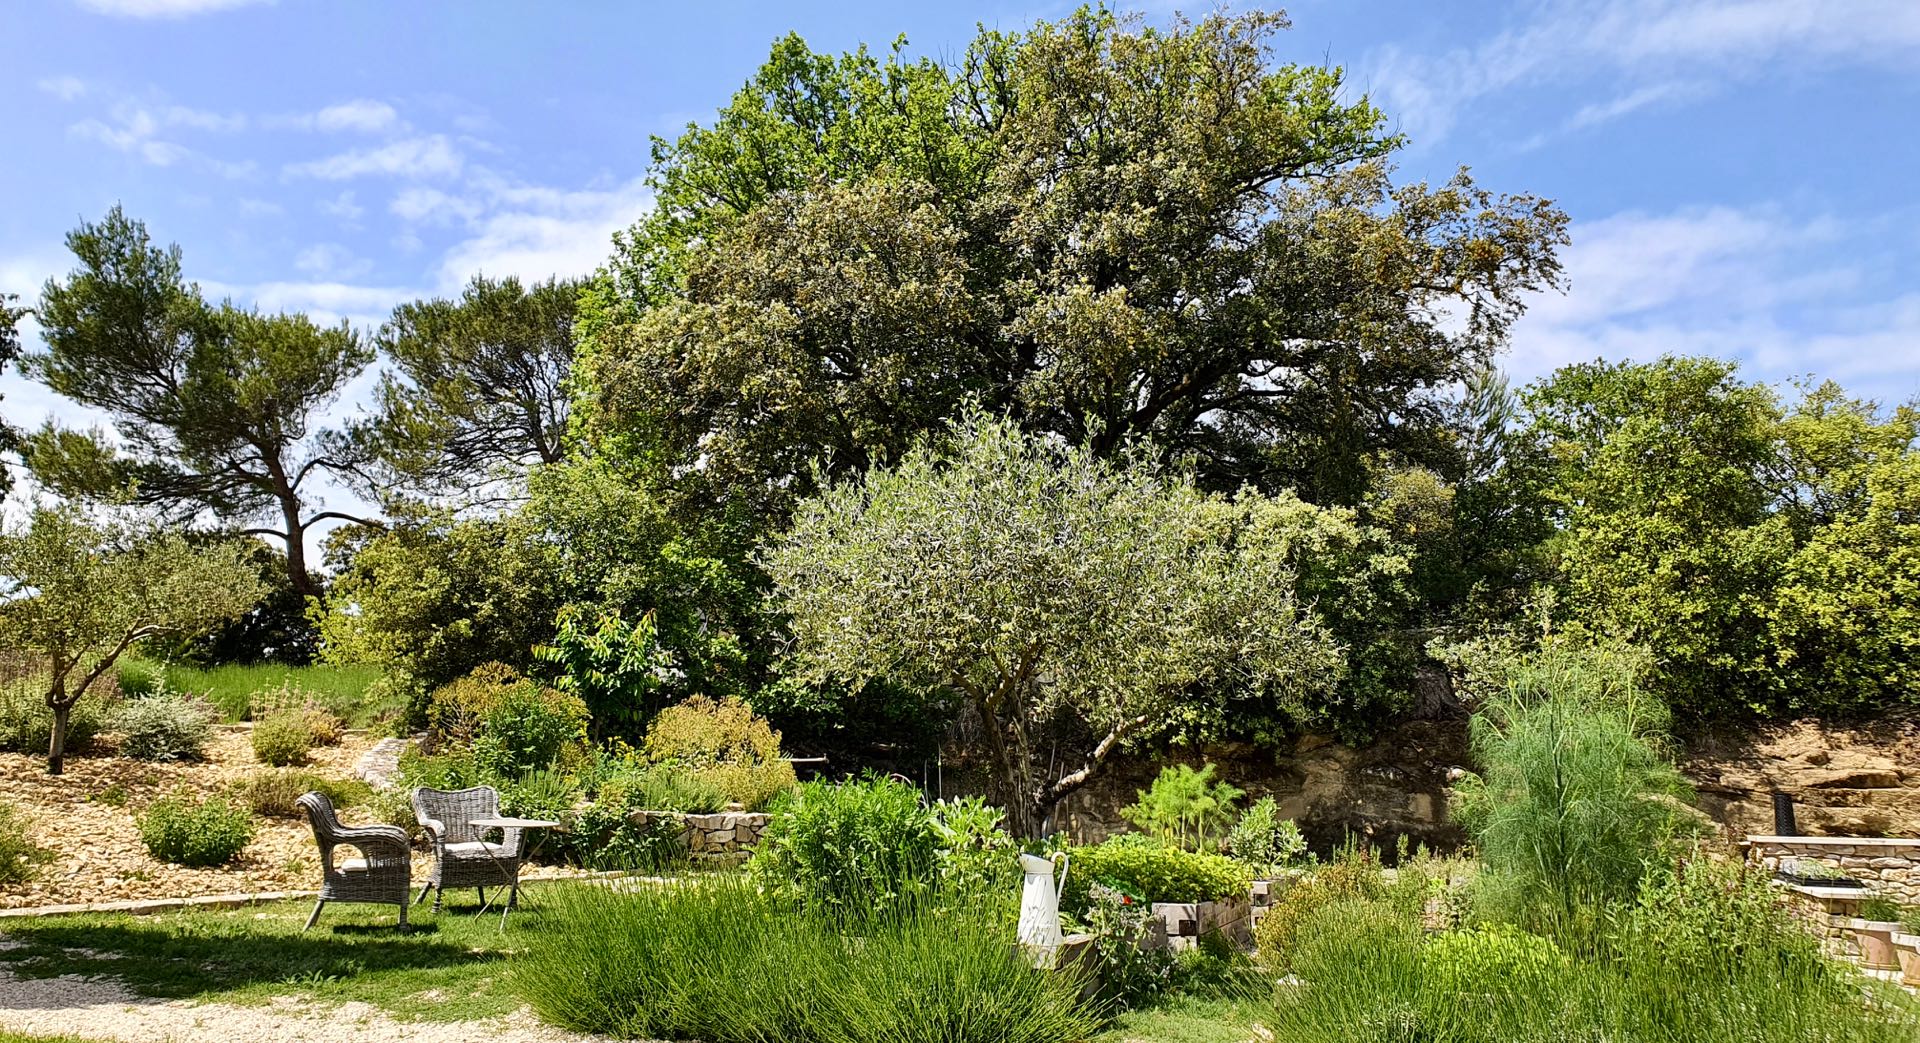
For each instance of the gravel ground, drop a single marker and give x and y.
(97, 844)
(103, 1009)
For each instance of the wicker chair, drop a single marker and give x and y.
(462, 857)
(383, 873)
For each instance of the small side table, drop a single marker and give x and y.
(528, 826)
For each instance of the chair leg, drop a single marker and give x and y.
(403, 917)
(424, 888)
(513, 896)
(315, 918)
(483, 895)
(438, 894)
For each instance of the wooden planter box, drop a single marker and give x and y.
(1185, 923)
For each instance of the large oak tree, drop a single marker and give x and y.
(1104, 231)
(218, 408)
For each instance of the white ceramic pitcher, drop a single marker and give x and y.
(1040, 900)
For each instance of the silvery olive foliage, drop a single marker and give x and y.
(1055, 590)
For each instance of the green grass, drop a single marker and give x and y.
(1186, 1019)
(342, 689)
(450, 968)
(15, 1037)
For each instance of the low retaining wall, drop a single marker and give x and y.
(722, 836)
(1889, 866)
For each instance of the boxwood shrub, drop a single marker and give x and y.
(1154, 871)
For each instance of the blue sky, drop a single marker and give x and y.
(1740, 172)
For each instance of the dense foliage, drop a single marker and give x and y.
(1765, 551)
(1152, 870)
(1047, 586)
(1186, 805)
(164, 726)
(1109, 231)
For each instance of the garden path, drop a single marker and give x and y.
(101, 1008)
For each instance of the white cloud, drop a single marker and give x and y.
(359, 115)
(537, 233)
(429, 156)
(66, 88)
(325, 301)
(1757, 285)
(1661, 40)
(261, 208)
(430, 205)
(343, 207)
(331, 261)
(135, 129)
(163, 8)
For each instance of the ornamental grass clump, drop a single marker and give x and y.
(188, 832)
(282, 739)
(719, 960)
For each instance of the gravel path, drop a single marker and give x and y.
(103, 1009)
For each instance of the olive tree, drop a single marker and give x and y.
(1055, 591)
(77, 594)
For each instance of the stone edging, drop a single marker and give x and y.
(1836, 841)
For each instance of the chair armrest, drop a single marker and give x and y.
(363, 835)
(436, 831)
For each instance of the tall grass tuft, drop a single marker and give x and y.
(717, 959)
(234, 688)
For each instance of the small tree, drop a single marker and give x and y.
(1049, 587)
(78, 594)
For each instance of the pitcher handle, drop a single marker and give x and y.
(1060, 885)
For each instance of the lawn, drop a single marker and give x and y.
(231, 688)
(447, 969)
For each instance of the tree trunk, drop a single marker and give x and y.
(57, 744)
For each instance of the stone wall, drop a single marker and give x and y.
(1861, 781)
(1888, 866)
(720, 837)
(1392, 788)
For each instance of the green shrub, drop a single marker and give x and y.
(26, 725)
(1704, 955)
(324, 725)
(165, 726)
(603, 835)
(976, 855)
(272, 792)
(282, 739)
(724, 745)
(1186, 806)
(1354, 877)
(183, 831)
(1462, 962)
(668, 789)
(20, 857)
(1154, 871)
(723, 961)
(1263, 841)
(854, 846)
(527, 729)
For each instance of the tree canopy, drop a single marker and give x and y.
(217, 407)
(77, 594)
(9, 350)
(1766, 552)
(1105, 231)
(1056, 593)
(478, 389)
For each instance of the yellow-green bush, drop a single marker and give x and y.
(282, 738)
(273, 791)
(1155, 871)
(1356, 876)
(723, 745)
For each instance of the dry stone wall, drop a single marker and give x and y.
(722, 836)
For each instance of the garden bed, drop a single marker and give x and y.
(87, 819)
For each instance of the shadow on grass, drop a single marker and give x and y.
(264, 952)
